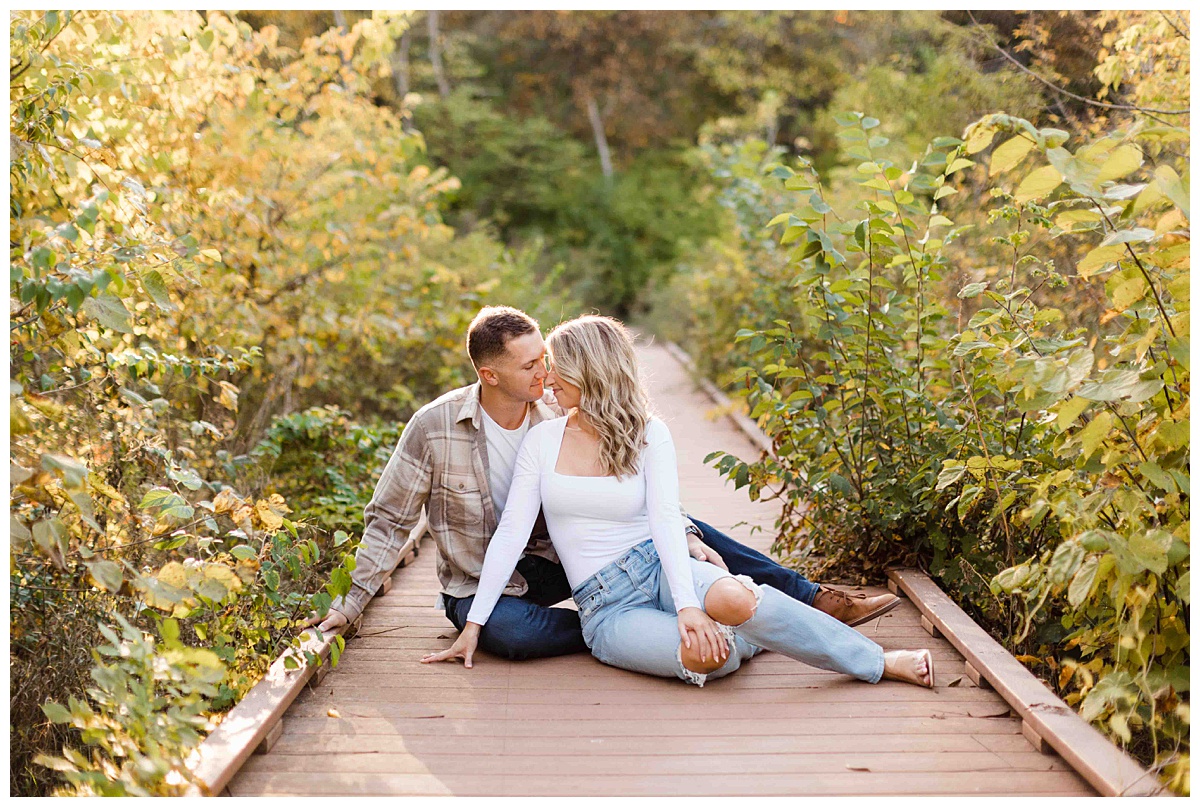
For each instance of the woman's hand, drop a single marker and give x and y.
(712, 641)
(463, 647)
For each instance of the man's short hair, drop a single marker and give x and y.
(493, 326)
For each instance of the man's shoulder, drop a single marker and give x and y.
(448, 403)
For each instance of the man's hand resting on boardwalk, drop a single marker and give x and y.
(463, 647)
(332, 621)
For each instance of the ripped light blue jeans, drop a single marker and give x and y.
(629, 621)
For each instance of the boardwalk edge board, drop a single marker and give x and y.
(1044, 715)
(252, 723)
(731, 410)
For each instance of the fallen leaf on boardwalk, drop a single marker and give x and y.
(955, 682)
(333, 713)
(850, 767)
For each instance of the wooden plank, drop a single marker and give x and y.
(976, 677)
(353, 707)
(731, 410)
(847, 691)
(625, 764)
(250, 722)
(828, 783)
(514, 727)
(271, 739)
(317, 746)
(1109, 769)
(1035, 739)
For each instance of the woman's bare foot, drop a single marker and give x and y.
(910, 666)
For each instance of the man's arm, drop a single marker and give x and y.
(393, 512)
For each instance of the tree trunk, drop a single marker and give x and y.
(601, 141)
(435, 54)
(400, 70)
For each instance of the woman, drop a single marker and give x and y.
(606, 479)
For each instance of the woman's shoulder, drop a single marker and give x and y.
(656, 430)
(539, 432)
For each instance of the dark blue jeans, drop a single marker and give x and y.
(527, 627)
(741, 559)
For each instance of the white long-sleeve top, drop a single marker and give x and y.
(593, 520)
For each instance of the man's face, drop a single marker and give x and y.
(521, 371)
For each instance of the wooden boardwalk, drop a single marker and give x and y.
(381, 723)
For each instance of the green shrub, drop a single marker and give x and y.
(1039, 469)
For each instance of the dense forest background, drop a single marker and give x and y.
(245, 247)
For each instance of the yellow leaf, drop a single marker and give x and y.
(1009, 153)
(1038, 184)
(958, 165)
(225, 501)
(228, 396)
(1123, 160)
(269, 519)
(1098, 258)
(1068, 412)
(1128, 293)
(212, 254)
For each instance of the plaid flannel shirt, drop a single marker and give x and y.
(440, 464)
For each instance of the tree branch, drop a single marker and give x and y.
(1068, 93)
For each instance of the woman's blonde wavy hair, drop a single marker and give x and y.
(596, 354)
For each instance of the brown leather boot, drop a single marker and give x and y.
(853, 609)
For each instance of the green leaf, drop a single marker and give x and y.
(1082, 582)
(57, 714)
(1038, 184)
(243, 552)
(156, 287)
(1135, 236)
(51, 536)
(1149, 548)
(73, 472)
(109, 311)
(1153, 472)
(186, 477)
(973, 290)
(1065, 562)
(340, 537)
(1009, 153)
(107, 573)
(841, 484)
(160, 498)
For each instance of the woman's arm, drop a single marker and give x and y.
(508, 541)
(512, 533)
(666, 519)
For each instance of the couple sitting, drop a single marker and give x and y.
(511, 487)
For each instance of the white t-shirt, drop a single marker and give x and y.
(502, 447)
(593, 520)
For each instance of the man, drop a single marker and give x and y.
(455, 458)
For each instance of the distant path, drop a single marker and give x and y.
(383, 724)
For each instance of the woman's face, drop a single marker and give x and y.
(565, 392)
